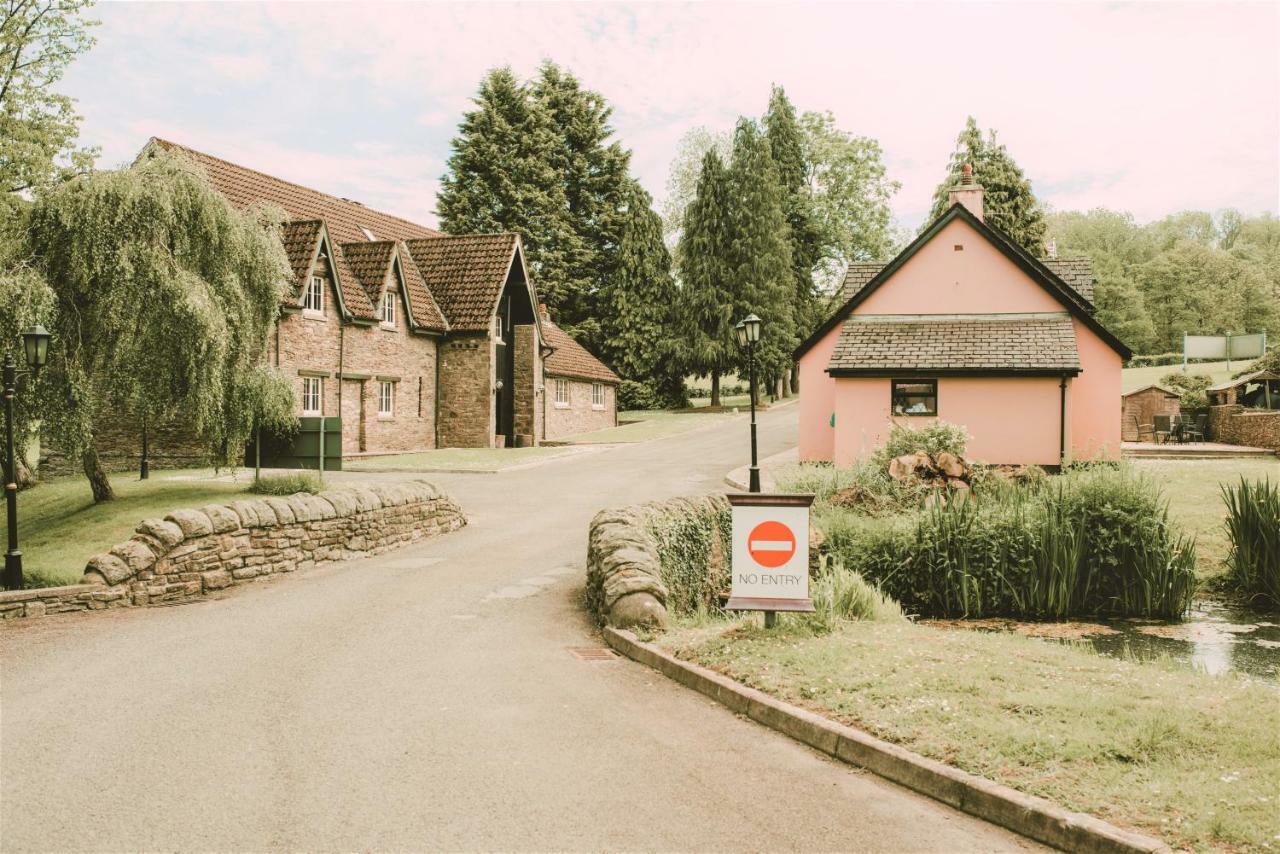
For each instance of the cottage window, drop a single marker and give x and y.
(386, 399)
(597, 395)
(915, 397)
(389, 308)
(562, 393)
(313, 300)
(312, 395)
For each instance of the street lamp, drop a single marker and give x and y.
(35, 347)
(748, 331)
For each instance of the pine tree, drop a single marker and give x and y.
(503, 177)
(759, 257)
(1008, 203)
(709, 288)
(787, 147)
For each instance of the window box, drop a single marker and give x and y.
(914, 397)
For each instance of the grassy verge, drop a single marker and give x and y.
(60, 527)
(1133, 379)
(453, 459)
(1178, 754)
(644, 425)
(1193, 488)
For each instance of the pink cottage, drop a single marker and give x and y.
(967, 327)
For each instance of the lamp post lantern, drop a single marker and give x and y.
(35, 347)
(748, 332)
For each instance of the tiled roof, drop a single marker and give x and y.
(426, 313)
(354, 296)
(571, 359)
(1011, 342)
(1076, 272)
(857, 276)
(466, 274)
(369, 261)
(299, 239)
(243, 187)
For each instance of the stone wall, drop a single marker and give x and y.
(528, 385)
(169, 445)
(1233, 424)
(579, 416)
(191, 553)
(466, 393)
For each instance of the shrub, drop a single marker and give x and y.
(286, 484)
(842, 595)
(651, 394)
(1190, 388)
(1093, 543)
(693, 546)
(861, 487)
(932, 438)
(1253, 528)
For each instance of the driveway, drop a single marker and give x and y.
(426, 699)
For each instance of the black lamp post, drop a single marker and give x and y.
(35, 347)
(748, 330)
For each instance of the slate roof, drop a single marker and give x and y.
(571, 359)
(466, 274)
(1077, 273)
(956, 343)
(343, 217)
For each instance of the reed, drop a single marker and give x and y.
(1253, 529)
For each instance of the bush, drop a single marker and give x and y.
(1253, 528)
(842, 595)
(693, 546)
(863, 487)
(1190, 387)
(1091, 543)
(649, 395)
(932, 438)
(286, 484)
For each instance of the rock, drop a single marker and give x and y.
(165, 532)
(222, 518)
(344, 503)
(282, 509)
(36, 609)
(215, 579)
(950, 465)
(192, 522)
(111, 569)
(637, 609)
(135, 555)
(245, 511)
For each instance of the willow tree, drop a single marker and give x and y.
(164, 296)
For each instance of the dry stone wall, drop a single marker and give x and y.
(191, 553)
(1236, 425)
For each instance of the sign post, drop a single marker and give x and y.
(770, 554)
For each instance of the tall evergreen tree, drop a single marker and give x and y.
(710, 289)
(503, 176)
(1008, 203)
(759, 257)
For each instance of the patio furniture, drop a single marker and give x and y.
(1196, 433)
(1163, 428)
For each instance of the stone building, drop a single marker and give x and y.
(414, 338)
(581, 392)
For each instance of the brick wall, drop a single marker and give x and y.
(466, 393)
(1236, 425)
(528, 391)
(579, 416)
(169, 445)
(191, 553)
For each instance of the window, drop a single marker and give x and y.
(389, 308)
(386, 399)
(368, 235)
(597, 395)
(312, 395)
(915, 397)
(562, 393)
(313, 300)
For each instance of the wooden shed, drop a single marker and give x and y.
(1140, 407)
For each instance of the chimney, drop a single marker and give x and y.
(543, 314)
(967, 193)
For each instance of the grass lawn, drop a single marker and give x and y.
(60, 527)
(453, 459)
(1175, 753)
(1136, 378)
(1193, 488)
(646, 424)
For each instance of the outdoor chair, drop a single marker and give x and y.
(1195, 433)
(1163, 428)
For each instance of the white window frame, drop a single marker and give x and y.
(562, 393)
(386, 399)
(313, 390)
(313, 299)
(597, 396)
(389, 308)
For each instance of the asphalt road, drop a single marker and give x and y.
(425, 699)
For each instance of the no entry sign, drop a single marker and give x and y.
(770, 552)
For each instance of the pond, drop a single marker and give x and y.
(1215, 637)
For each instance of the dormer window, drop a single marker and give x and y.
(389, 308)
(313, 299)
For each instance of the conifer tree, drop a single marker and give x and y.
(709, 288)
(1008, 203)
(759, 257)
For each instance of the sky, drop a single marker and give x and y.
(1149, 108)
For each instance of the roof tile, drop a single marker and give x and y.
(571, 359)
(465, 273)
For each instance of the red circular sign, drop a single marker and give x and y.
(771, 544)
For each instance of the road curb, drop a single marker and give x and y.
(1029, 816)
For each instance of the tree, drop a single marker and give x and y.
(686, 171)
(164, 297)
(38, 127)
(642, 297)
(1008, 203)
(759, 256)
(709, 289)
(503, 176)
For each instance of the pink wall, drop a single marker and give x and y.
(940, 280)
(1009, 419)
(817, 400)
(1093, 399)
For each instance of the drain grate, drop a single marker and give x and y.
(592, 653)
